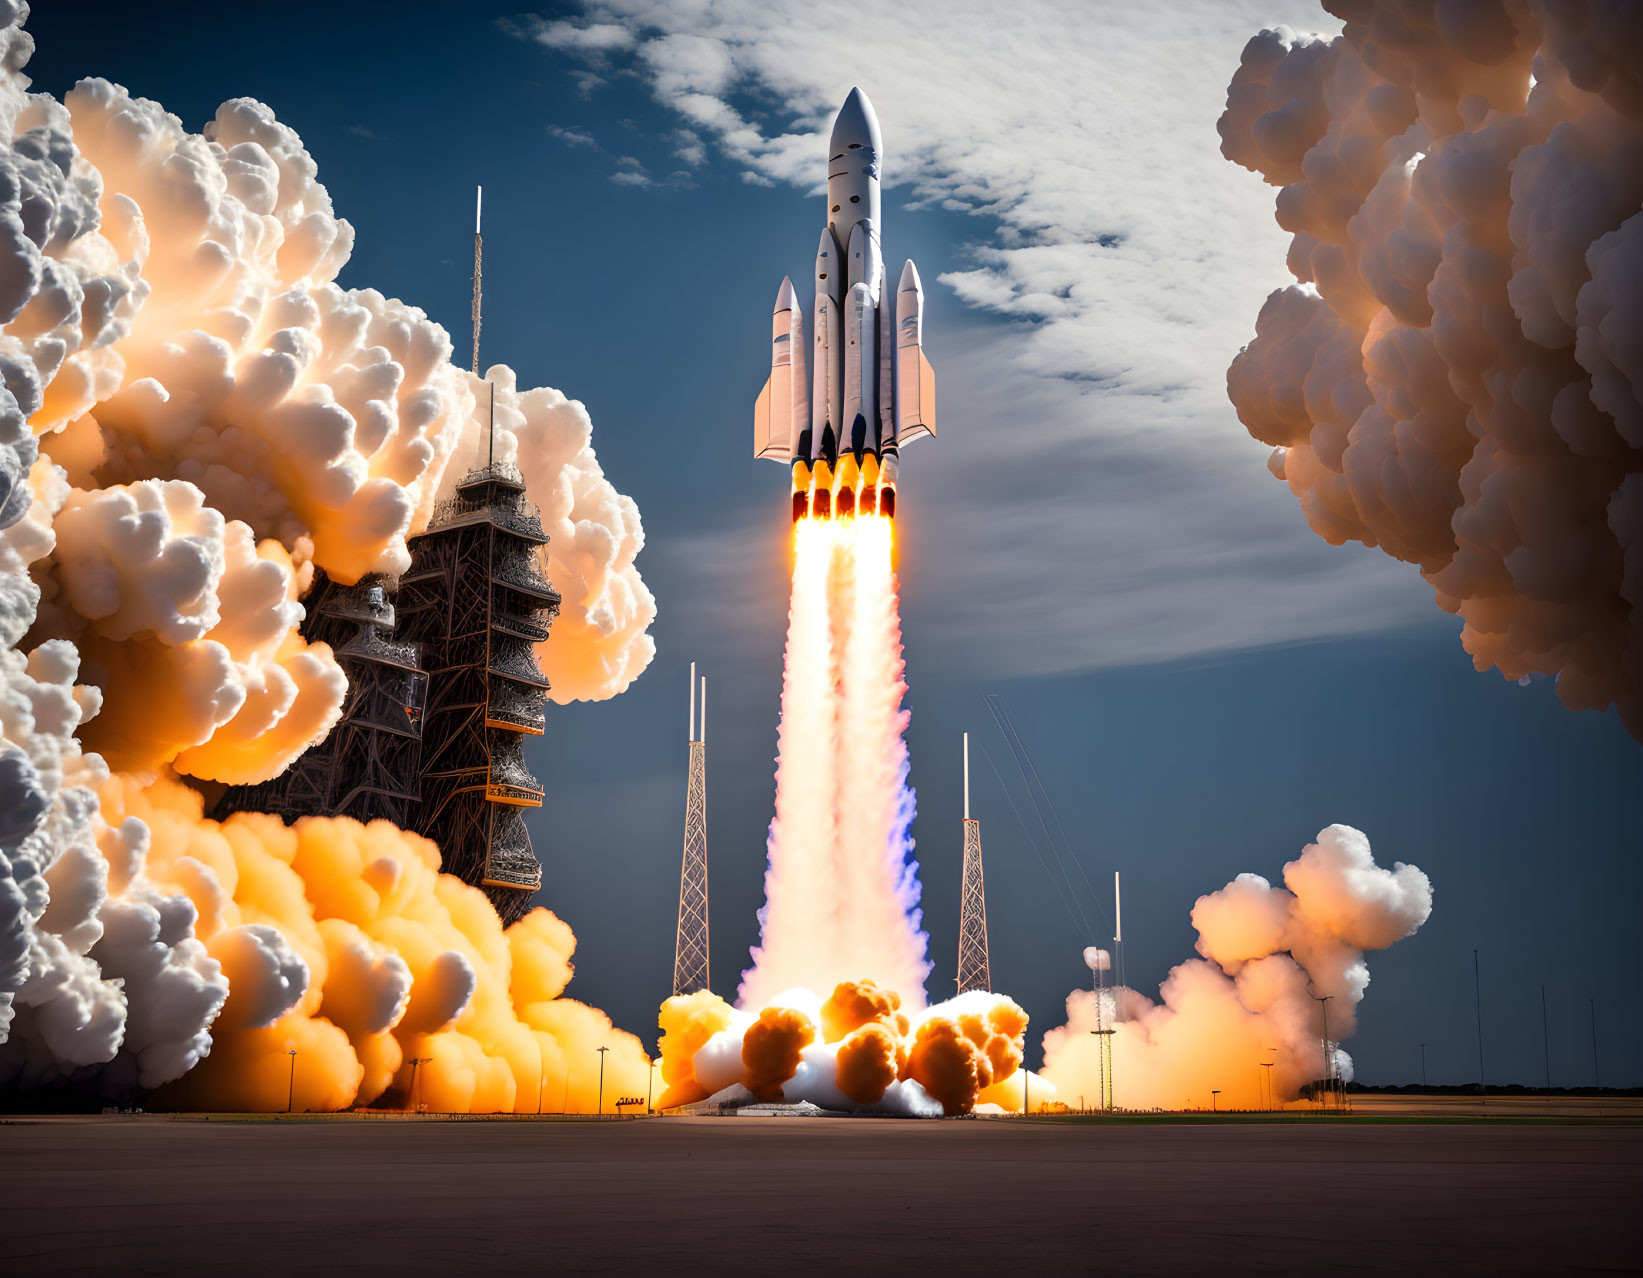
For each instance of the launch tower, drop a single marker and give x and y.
(367, 767)
(973, 973)
(476, 598)
(690, 944)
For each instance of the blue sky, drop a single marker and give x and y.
(1204, 684)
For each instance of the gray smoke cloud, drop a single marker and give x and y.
(1457, 375)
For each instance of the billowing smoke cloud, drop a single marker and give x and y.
(95, 956)
(338, 941)
(1457, 377)
(599, 643)
(1269, 956)
(193, 418)
(215, 418)
(855, 1051)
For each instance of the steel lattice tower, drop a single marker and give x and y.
(1104, 1032)
(690, 945)
(477, 599)
(973, 973)
(367, 767)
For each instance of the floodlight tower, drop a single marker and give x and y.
(690, 946)
(973, 973)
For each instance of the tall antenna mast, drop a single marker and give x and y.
(973, 969)
(479, 250)
(690, 949)
(490, 455)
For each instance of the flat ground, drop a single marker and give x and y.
(790, 1195)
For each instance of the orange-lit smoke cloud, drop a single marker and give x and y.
(868, 1056)
(345, 943)
(853, 1004)
(1456, 376)
(870, 1059)
(1269, 954)
(772, 1049)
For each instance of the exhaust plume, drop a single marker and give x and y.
(1457, 375)
(193, 418)
(842, 889)
(1269, 955)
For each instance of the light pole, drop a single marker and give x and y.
(541, 1080)
(650, 1082)
(1329, 1056)
(415, 1061)
(1214, 1101)
(1328, 1048)
(1477, 1002)
(1423, 1064)
(291, 1092)
(602, 1052)
(1271, 1096)
(1546, 1037)
(1597, 1077)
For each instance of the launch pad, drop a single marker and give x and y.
(738, 1197)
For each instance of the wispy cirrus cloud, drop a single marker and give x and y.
(629, 169)
(574, 136)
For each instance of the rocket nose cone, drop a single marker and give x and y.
(856, 125)
(909, 279)
(786, 298)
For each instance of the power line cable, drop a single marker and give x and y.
(1030, 778)
(1081, 925)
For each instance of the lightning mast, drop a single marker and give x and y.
(1117, 931)
(973, 973)
(479, 274)
(690, 946)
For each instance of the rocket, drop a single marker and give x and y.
(871, 391)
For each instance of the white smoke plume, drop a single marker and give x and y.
(193, 418)
(1270, 956)
(1457, 375)
(94, 957)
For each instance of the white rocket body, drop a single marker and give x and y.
(872, 388)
